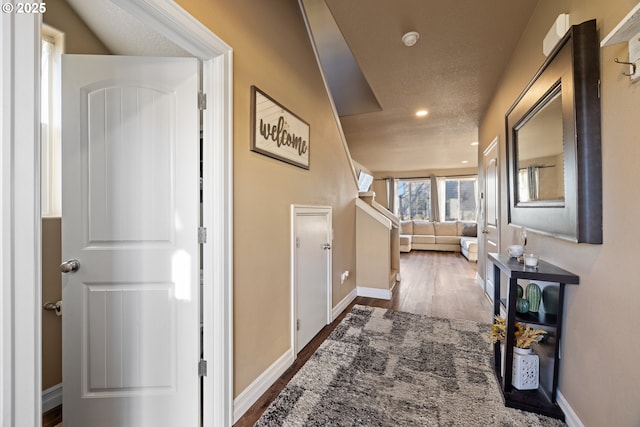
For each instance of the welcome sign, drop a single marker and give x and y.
(277, 132)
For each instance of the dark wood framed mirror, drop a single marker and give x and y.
(553, 143)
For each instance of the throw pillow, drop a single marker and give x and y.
(470, 230)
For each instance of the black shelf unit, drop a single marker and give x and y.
(543, 400)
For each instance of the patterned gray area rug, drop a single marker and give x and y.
(388, 368)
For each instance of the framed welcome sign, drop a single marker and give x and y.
(277, 132)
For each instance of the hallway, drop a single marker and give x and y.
(439, 284)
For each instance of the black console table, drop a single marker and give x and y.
(542, 400)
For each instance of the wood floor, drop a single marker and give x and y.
(52, 418)
(439, 284)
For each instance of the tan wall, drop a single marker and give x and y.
(379, 186)
(79, 38)
(51, 291)
(374, 251)
(272, 51)
(599, 375)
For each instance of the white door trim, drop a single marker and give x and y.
(308, 210)
(20, 229)
(20, 401)
(180, 27)
(218, 252)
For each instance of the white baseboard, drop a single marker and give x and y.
(51, 397)
(570, 417)
(252, 393)
(374, 293)
(342, 305)
(480, 281)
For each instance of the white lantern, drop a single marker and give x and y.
(526, 368)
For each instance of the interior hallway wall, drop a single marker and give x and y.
(272, 51)
(599, 376)
(51, 291)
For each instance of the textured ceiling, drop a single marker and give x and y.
(452, 72)
(122, 33)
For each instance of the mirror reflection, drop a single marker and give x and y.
(539, 151)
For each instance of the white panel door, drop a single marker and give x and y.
(490, 206)
(131, 323)
(312, 272)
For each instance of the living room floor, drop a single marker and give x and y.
(439, 284)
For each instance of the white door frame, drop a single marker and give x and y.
(484, 250)
(20, 266)
(297, 210)
(20, 337)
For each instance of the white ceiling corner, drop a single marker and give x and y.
(121, 33)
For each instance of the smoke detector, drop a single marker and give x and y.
(410, 38)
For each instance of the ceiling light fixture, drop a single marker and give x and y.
(421, 113)
(474, 143)
(465, 161)
(410, 38)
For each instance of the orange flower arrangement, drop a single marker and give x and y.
(525, 336)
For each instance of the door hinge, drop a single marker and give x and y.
(202, 101)
(202, 368)
(297, 242)
(202, 235)
(297, 324)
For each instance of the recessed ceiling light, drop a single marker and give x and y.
(421, 113)
(474, 143)
(465, 161)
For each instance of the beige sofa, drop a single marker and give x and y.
(455, 236)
